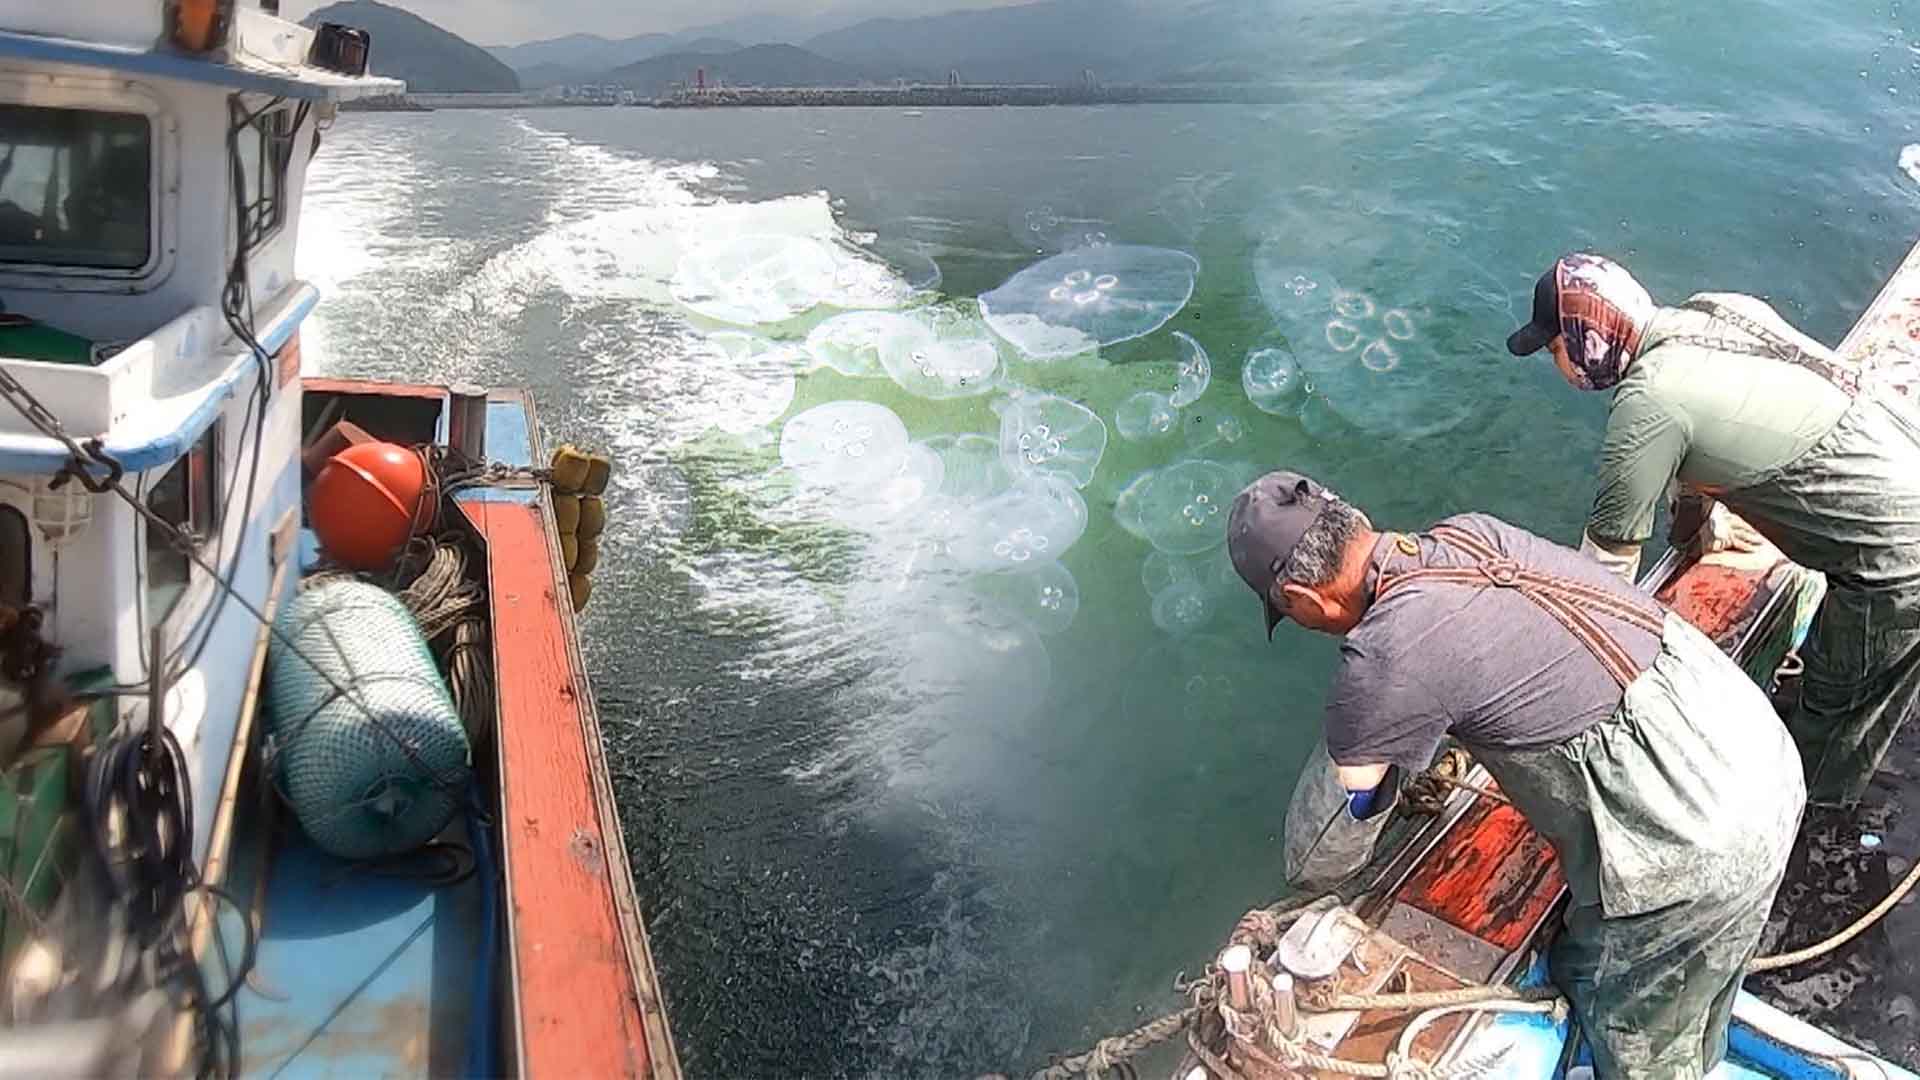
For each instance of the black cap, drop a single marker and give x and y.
(1530, 338)
(1266, 524)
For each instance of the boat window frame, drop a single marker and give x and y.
(205, 520)
(282, 171)
(97, 94)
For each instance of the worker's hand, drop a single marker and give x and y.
(1727, 531)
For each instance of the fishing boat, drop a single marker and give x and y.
(1432, 963)
(302, 770)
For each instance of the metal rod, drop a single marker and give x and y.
(1284, 1012)
(156, 690)
(1235, 960)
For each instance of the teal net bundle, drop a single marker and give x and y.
(382, 768)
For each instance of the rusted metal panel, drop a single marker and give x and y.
(1491, 875)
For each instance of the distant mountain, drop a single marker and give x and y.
(1053, 41)
(760, 65)
(591, 55)
(408, 47)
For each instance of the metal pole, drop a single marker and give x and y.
(1235, 960)
(156, 691)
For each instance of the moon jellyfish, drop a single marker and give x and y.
(1398, 325)
(951, 356)
(1194, 373)
(1127, 506)
(1342, 335)
(1271, 380)
(1145, 415)
(752, 384)
(1032, 523)
(1191, 679)
(1215, 433)
(917, 479)
(851, 344)
(1056, 226)
(971, 465)
(1047, 598)
(1162, 571)
(844, 443)
(967, 662)
(1182, 608)
(1184, 508)
(1042, 433)
(1092, 297)
(755, 279)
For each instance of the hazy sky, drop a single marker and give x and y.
(509, 22)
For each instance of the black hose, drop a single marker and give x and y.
(139, 803)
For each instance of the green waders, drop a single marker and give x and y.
(1672, 819)
(1850, 508)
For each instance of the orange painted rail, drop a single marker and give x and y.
(587, 1001)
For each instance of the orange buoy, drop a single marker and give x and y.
(367, 502)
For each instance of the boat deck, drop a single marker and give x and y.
(514, 948)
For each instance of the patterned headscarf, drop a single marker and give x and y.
(1603, 313)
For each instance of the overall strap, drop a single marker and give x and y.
(1574, 605)
(1768, 343)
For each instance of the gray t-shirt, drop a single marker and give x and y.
(1486, 665)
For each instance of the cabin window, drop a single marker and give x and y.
(16, 558)
(76, 188)
(264, 145)
(187, 498)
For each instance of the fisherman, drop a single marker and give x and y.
(1724, 401)
(1655, 767)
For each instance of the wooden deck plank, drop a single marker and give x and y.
(581, 1011)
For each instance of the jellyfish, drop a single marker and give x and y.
(1056, 225)
(1215, 433)
(1042, 433)
(971, 465)
(851, 344)
(1271, 380)
(1193, 373)
(1033, 522)
(1161, 571)
(950, 356)
(1191, 679)
(1398, 325)
(1127, 506)
(918, 478)
(1047, 598)
(1145, 415)
(1182, 608)
(752, 382)
(1091, 297)
(844, 444)
(755, 279)
(1183, 510)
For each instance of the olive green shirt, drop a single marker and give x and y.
(1715, 420)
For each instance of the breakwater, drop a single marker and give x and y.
(970, 96)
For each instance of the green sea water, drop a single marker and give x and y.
(880, 822)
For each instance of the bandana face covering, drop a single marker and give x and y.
(1603, 312)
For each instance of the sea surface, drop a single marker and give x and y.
(947, 753)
